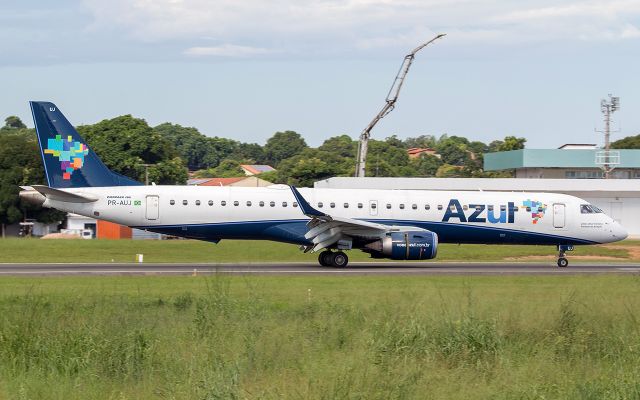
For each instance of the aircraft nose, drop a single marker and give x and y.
(619, 233)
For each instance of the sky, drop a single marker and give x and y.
(244, 69)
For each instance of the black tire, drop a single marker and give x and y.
(563, 262)
(323, 258)
(339, 259)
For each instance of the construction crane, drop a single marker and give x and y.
(389, 105)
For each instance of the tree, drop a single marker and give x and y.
(283, 145)
(21, 164)
(449, 171)
(194, 147)
(453, 151)
(426, 165)
(342, 145)
(124, 143)
(226, 169)
(630, 142)
(422, 141)
(509, 143)
(13, 122)
(303, 170)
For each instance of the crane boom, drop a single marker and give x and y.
(389, 105)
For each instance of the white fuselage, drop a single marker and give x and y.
(214, 213)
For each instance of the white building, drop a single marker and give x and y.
(618, 198)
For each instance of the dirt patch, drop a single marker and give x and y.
(634, 251)
(61, 236)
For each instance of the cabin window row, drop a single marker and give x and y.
(361, 205)
(236, 203)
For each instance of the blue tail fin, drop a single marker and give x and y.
(68, 161)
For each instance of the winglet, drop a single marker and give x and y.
(305, 206)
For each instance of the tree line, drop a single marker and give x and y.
(126, 143)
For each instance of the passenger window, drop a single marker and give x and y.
(248, 204)
(490, 208)
(236, 203)
(427, 207)
(172, 202)
(223, 203)
(272, 204)
(452, 208)
(295, 204)
(197, 202)
(503, 208)
(374, 206)
(210, 202)
(414, 206)
(439, 206)
(388, 206)
(465, 207)
(332, 205)
(359, 205)
(185, 202)
(284, 204)
(261, 204)
(320, 205)
(515, 208)
(346, 205)
(402, 206)
(528, 209)
(478, 208)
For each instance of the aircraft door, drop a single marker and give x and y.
(153, 207)
(373, 207)
(558, 215)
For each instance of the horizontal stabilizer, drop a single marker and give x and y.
(61, 195)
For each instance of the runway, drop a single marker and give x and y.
(355, 268)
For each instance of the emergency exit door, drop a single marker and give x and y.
(153, 207)
(558, 215)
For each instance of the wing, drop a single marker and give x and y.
(325, 230)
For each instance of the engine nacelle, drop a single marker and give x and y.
(411, 245)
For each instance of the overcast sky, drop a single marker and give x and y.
(245, 69)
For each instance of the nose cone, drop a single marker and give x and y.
(618, 232)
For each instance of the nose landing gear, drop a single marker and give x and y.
(330, 259)
(562, 260)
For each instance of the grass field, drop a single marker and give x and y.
(222, 337)
(36, 250)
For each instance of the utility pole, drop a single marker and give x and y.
(389, 105)
(146, 172)
(606, 158)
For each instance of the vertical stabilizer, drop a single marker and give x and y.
(68, 161)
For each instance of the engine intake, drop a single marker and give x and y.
(411, 245)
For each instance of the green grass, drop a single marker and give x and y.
(253, 337)
(35, 250)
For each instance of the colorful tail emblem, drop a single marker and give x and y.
(537, 209)
(69, 152)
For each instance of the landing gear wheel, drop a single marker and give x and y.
(339, 259)
(324, 258)
(563, 262)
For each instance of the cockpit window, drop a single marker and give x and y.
(589, 209)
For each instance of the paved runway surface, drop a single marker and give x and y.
(356, 268)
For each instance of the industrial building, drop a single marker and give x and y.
(571, 161)
(619, 198)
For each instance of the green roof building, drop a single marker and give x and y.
(567, 162)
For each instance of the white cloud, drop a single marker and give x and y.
(226, 50)
(338, 27)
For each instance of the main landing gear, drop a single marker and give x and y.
(330, 259)
(562, 260)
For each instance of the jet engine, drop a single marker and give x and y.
(410, 245)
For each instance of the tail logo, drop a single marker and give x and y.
(537, 209)
(70, 153)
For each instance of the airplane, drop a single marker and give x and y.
(391, 224)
